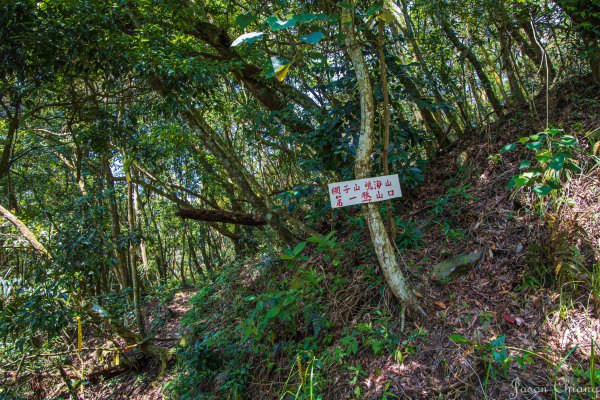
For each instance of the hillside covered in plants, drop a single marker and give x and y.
(176, 219)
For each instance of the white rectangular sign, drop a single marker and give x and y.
(368, 190)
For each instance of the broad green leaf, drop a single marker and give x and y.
(557, 163)
(523, 140)
(277, 24)
(544, 156)
(534, 145)
(533, 173)
(314, 239)
(553, 132)
(507, 148)
(289, 300)
(373, 9)
(542, 190)
(309, 17)
(571, 166)
(568, 140)
(553, 183)
(517, 182)
(273, 312)
(525, 164)
(312, 38)
(498, 349)
(247, 38)
(456, 338)
(244, 20)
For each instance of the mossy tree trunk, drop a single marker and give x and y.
(362, 169)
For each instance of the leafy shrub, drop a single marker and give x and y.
(555, 159)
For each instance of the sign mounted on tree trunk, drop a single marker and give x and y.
(362, 191)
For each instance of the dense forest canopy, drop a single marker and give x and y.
(153, 145)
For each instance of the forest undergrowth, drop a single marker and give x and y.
(523, 316)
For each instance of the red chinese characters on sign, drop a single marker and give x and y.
(362, 191)
(366, 197)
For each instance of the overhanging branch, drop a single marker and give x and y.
(228, 217)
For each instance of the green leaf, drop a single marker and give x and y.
(517, 182)
(456, 338)
(525, 164)
(373, 9)
(553, 183)
(273, 312)
(329, 235)
(554, 131)
(507, 148)
(571, 166)
(523, 140)
(542, 190)
(532, 173)
(312, 38)
(249, 38)
(244, 20)
(314, 239)
(289, 300)
(309, 17)
(498, 349)
(386, 16)
(557, 163)
(534, 145)
(544, 156)
(277, 24)
(299, 247)
(568, 140)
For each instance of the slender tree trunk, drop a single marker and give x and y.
(135, 277)
(136, 208)
(585, 15)
(205, 255)
(508, 67)
(194, 258)
(381, 241)
(182, 263)
(410, 34)
(386, 124)
(151, 224)
(13, 125)
(121, 271)
(27, 234)
(529, 46)
(469, 55)
(240, 176)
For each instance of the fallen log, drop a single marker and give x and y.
(228, 217)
